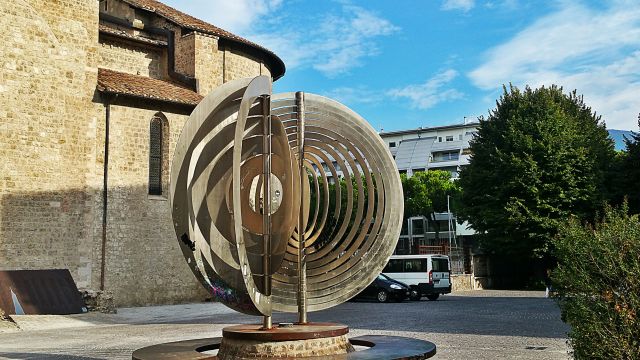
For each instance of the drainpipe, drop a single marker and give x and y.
(107, 106)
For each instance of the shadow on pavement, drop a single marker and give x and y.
(43, 356)
(501, 316)
(452, 314)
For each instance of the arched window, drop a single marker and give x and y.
(158, 133)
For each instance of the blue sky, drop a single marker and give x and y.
(410, 63)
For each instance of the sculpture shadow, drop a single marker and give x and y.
(45, 356)
(63, 229)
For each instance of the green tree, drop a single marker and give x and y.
(416, 199)
(426, 192)
(597, 282)
(540, 156)
(630, 171)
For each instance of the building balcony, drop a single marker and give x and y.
(448, 145)
(444, 163)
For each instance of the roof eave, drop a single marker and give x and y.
(428, 129)
(276, 66)
(107, 91)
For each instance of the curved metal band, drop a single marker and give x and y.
(260, 86)
(216, 177)
(339, 268)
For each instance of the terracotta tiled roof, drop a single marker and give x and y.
(190, 22)
(123, 34)
(115, 82)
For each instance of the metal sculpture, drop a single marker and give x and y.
(258, 205)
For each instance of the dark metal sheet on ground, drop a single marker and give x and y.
(39, 292)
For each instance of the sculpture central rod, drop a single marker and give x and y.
(302, 261)
(266, 202)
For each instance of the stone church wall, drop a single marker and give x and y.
(238, 66)
(52, 141)
(48, 74)
(185, 48)
(132, 58)
(207, 53)
(214, 65)
(144, 263)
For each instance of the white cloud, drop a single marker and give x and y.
(503, 4)
(236, 16)
(464, 5)
(330, 43)
(356, 95)
(421, 96)
(333, 44)
(432, 92)
(595, 51)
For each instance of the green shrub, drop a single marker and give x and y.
(597, 284)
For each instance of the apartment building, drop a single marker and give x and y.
(434, 148)
(441, 147)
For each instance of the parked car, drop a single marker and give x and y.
(384, 289)
(426, 275)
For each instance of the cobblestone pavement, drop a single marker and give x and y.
(467, 325)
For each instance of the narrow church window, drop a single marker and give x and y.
(155, 157)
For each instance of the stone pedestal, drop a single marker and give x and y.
(247, 342)
(377, 347)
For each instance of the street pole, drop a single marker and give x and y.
(266, 202)
(302, 261)
(449, 225)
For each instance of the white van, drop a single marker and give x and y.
(427, 275)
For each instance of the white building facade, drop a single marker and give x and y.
(442, 147)
(435, 148)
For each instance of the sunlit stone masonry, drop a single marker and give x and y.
(93, 96)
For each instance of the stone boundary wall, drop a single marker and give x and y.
(461, 282)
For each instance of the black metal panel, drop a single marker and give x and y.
(39, 292)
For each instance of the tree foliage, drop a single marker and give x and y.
(597, 282)
(630, 171)
(426, 192)
(416, 199)
(334, 219)
(540, 156)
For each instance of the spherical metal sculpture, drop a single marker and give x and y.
(287, 202)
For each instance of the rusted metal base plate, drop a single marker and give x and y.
(383, 347)
(39, 292)
(179, 350)
(289, 333)
(380, 347)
